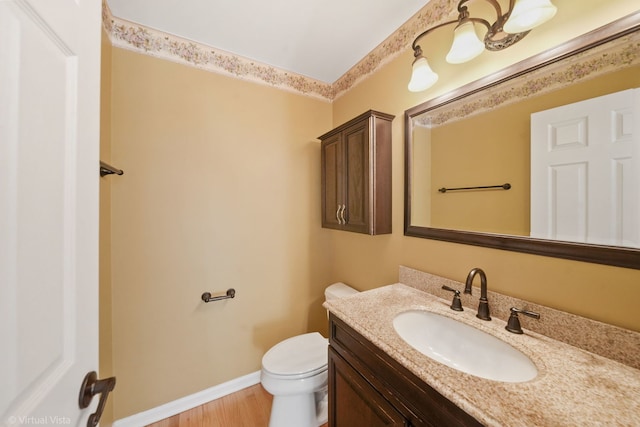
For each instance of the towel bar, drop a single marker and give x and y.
(503, 186)
(107, 169)
(206, 297)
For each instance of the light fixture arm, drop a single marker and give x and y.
(520, 18)
(493, 3)
(463, 13)
(414, 46)
(495, 39)
(500, 18)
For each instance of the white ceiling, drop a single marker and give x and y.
(317, 39)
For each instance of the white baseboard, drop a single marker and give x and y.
(188, 402)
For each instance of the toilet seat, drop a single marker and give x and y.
(297, 357)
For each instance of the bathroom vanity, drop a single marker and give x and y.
(376, 378)
(369, 388)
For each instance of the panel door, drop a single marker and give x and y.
(332, 182)
(585, 171)
(357, 177)
(353, 402)
(49, 133)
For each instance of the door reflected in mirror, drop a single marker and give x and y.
(584, 171)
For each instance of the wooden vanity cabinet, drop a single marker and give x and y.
(356, 175)
(368, 388)
(357, 403)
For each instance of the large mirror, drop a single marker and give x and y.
(474, 176)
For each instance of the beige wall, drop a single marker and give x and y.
(599, 292)
(220, 190)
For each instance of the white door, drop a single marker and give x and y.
(585, 172)
(49, 140)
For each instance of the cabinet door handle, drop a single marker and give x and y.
(338, 215)
(344, 208)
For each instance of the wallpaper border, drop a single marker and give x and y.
(138, 38)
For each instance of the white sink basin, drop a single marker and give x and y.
(463, 347)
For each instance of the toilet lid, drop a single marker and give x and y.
(297, 355)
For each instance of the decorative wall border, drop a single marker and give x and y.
(433, 13)
(615, 55)
(138, 38)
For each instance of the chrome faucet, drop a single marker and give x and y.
(483, 306)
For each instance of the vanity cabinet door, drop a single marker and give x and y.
(353, 402)
(356, 175)
(361, 371)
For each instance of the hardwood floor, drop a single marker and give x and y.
(250, 407)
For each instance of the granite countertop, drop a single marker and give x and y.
(573, 388)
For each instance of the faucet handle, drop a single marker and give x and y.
(513, 324)
(456, 304)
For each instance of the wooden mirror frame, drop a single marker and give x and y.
(600, 254)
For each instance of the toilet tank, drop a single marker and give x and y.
(338, 290)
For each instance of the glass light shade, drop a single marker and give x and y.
(466, 44)
(528, 14)
(422, 77)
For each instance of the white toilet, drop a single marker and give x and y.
(294, 371)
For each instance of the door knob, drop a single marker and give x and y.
(91, 386)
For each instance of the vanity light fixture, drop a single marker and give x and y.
(508, 29)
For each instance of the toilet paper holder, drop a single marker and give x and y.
(207, 297)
